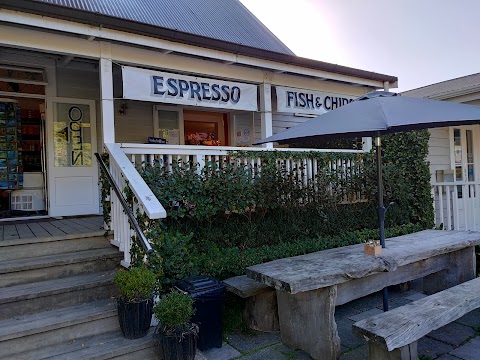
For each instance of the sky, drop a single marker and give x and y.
(419, 41)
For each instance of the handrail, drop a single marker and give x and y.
(152, 207)
(133, 221)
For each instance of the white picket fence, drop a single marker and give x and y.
(457, 205)
(305, 170)
(127, 159)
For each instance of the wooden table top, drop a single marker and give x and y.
(334, 266)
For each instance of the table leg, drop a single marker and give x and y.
(261, 312)
(461, 268)
(307, 322)
(378, 351)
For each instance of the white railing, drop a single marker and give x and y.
(457, 205)
(124, 174)
(305, 170)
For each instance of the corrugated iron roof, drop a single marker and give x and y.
(444, 88)
(93, 16)
(225, 20)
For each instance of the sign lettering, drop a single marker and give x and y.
(75, 116)
(309, 101)
(148, 85)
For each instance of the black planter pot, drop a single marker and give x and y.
(134, 318)
(177, 347)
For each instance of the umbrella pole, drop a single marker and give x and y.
(381, 208)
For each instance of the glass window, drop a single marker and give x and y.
(72, 136)
(169, 127)
(457, 140)
(470, 156)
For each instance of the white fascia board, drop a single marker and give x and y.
(178, 63)
(34, 40)
(68, 45)
(89, 31)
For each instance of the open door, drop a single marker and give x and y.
(72, 172)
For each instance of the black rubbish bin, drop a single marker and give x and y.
(208, 294)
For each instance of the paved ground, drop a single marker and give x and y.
(458, 340)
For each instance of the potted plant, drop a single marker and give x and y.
(176, 335)
(135, 302)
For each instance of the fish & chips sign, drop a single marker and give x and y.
(309, 102)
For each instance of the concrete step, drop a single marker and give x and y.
(54, 327)
(24, 248)
(110, 345)
(47, 267)
(40, 296)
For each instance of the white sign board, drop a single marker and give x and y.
(299, 101)
(162, 87)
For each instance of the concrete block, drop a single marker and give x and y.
(226, 352)
(365, 314)
(246, 343)
(432, 348)
(468, 351)
(453, 333)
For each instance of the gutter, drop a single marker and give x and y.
(96, 19)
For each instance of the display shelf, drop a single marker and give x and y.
(31, 143)
(11, 162)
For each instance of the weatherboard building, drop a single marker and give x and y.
(86, 74)
(145, 82)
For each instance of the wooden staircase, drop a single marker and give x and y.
(57, 300)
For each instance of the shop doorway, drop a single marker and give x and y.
(23, 190)
(205, 128)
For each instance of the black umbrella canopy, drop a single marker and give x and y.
(379, 112)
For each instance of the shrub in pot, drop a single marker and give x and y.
(176, 335)
(135, 302)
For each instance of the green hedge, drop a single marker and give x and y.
(226, 217)
(177, 256)
(231, 261)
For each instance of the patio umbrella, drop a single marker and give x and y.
(377, 113)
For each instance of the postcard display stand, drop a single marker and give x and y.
(11, 166)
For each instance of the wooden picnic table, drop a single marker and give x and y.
(310, 286)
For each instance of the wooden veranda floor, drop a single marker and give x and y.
(41, 228)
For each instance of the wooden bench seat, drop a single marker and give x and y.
(394, 334)
(261, 310)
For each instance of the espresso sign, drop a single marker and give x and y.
(310, 102)
(158, 86)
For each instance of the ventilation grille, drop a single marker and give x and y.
(27, 200)
(22, 202)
